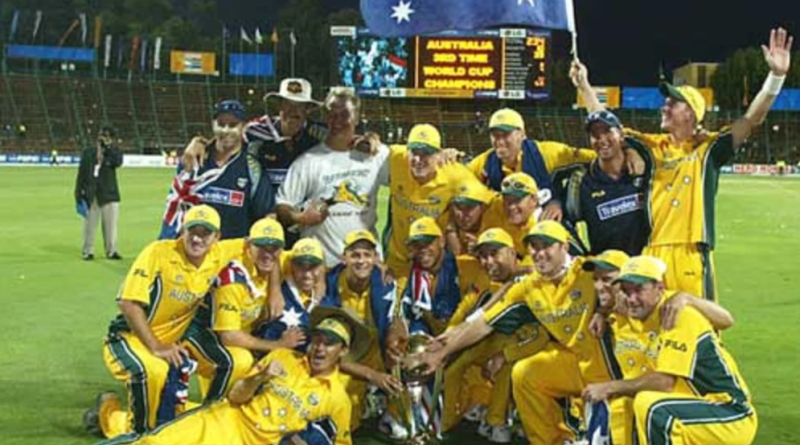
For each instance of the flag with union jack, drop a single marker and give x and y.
(185, 192)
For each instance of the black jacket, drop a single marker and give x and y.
(103, 187)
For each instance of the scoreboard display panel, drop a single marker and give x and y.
(490, 64)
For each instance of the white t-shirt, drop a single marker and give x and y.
(348, 181)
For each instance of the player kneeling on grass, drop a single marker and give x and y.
(357, 284)
(157, 302)
(280, 396)
(220, 338)
(684, 386)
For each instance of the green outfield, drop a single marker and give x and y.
(55, 307)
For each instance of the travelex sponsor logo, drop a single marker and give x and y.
(217, 195)
(560, 314)
(619, 206)
(276, 175)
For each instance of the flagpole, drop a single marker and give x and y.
(572, 27)
(294, 43)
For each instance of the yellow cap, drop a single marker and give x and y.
(359, 235)
(308, 251)
(424, 230)
(688, 94)
(506, 119)
(609, 260)
(550, 231)
(472, 193)
(495, 237)
(519, 185)
(426, 138)
(336, 328)
(642, 269)
(344, 325)
(267, 232)
(202, 215)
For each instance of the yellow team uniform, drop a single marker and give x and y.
(359, 304)
(564, 309)
(283, 406)
(710, 403)
(524, 342)
(411, 200)
(681, 206)
(555, 155)
(170, 288)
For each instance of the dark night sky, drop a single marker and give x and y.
(624, 41)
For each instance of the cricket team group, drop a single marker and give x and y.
(543, 292)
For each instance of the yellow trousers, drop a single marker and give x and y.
(683, 419)
(690, 268)
(464, 386)
(144, 375)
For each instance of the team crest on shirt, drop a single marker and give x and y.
(179, 279)
(241, 182)
(348, 191)
(575, 295)
(313, 399)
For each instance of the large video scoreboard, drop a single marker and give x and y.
(490, 64)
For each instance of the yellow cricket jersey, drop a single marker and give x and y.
(169, 287)
(684, 185)
(360, 304)
(554, 154)
(286, 404)
(411, 200)
(564, 310)
(238, 305)
(691, 351)
(495, 216)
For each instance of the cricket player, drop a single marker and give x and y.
(221, 336)
(357, 284)
(467, 222)
(496, 354)
(518, 210)
(279, 397)
(157, 302)
(603, 195)
(687, 163)
(560, 296)
(421, 183)
(686, 388)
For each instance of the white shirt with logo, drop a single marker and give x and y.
(348, 181)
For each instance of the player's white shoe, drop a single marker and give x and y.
(389, 426)
(485, 429)
(476, 414)
(500, 434)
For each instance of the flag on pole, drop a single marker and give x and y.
(157, 54)
(274, 36)
(14, 25)
(84, 28)
(259, 37)
(37, 23)
(98, 30)
(119, 53)
(292, 38)
(244, 36)
(413, 17)
(107, 58)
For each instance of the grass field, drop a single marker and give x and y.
(55, 307)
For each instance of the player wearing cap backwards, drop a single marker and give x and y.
(496, 354)
(603, 194)
(282, 393)
(430, 295)
(560, 296)
(357, 284)
(468, 208)
(422, 183)
(157, 301)
(220, 337)
(687, 164)
(228, 179)
(686, 388)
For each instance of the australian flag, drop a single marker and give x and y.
(393, 18)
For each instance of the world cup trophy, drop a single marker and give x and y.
(419, 404)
